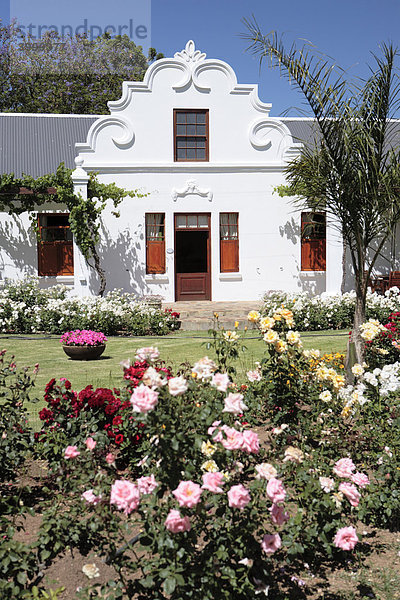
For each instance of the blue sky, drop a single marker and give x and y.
(347, 30)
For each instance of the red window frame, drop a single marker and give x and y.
(55, 246)
(191, 137)
(155, 242)
(229, 242)
(313, 241)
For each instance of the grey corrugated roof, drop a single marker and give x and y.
(36, 144)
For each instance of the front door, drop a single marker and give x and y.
(192, 257)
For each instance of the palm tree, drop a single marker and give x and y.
(353, 170)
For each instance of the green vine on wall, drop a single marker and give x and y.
(26, 194)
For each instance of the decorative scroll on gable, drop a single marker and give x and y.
(191, 188)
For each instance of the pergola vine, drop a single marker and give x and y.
(27, 194)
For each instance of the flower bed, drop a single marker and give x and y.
(25, 308)
(331, 311)
(223, 489)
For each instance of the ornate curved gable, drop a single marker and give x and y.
(139, 129)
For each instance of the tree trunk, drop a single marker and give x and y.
(343, 284)
(100, 272)
(356, 344)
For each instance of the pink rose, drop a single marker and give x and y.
(143, 399)
(351, 493)
(146, 485)
(175, 523)
(238, 496)
(234, 404)
(346, 538)
(110, 458)
(220, 381)
(250, 442)
(233, 439)
(125, 495)
(213, 427)
(71, 452)
(271, 543)
(177, 386)
(360, 479)
(275, 490)
(344, 467)
(212, 481)
(148, 353)
(187, 493)
(278, 514)
(253, 376)
(90, 443)
(91, 497)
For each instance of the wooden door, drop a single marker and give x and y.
(192, 257)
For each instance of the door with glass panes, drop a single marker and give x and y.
(192, 257)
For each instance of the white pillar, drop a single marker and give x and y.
(80, 180)
(334, 254)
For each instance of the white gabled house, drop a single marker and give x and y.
(207, 155)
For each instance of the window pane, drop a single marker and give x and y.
(181, 153)
(181, 221)
(191, 129)
(181, 143)
(201, 130)
(201, 117)
(200, 143)
(201, 154)
(203, 221)
(181, 129)
(180, 117)
(191, 117)
(192, 221)
(190, 153)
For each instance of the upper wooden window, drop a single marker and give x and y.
(155, 243)
(313, 241)
(190, 135)
(229, 242)
(55, 247)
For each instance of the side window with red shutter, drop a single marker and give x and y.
(313, 241)
(229, 242)
(55, 248)
(155, 243)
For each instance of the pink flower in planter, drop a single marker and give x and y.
(175, 523)
(91, 497)
(360, 479)
(351, 493)
(187, 493)
(234, 404)
(147, 484)
(143, 399)
(275, 490)
(125, 495)
(238, 496)
(86, 337)
(212, 481)
(220, 381)
(71, 452)
(90, 443)
(271, 543)
(344, 467)
(346, 538)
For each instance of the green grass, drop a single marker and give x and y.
(179, 347)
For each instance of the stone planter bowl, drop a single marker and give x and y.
(84, 352)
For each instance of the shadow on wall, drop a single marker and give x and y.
(314, 283)
(18, 248)
(291, 230)
(119, 259)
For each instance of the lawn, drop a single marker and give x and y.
(179, 347)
